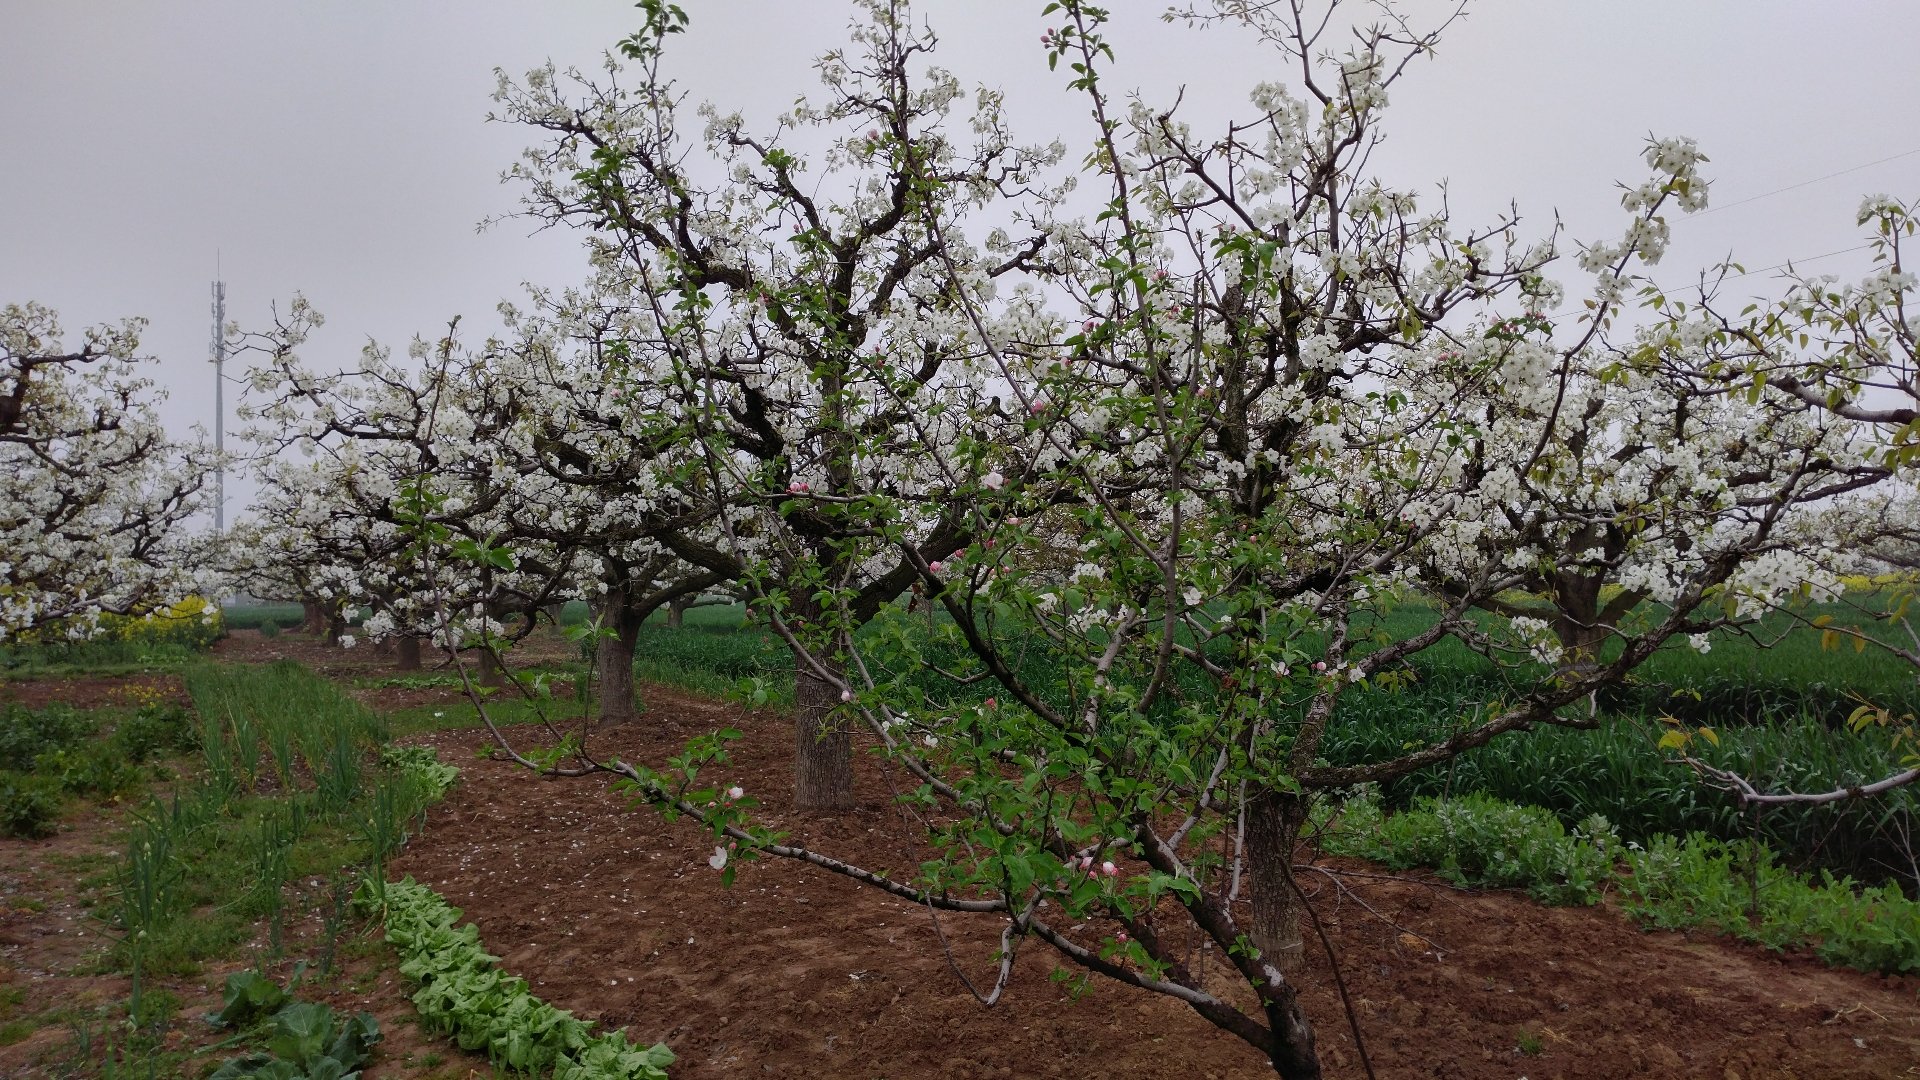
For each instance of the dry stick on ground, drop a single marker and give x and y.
(1345, 893)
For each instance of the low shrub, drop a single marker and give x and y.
(194, 623)
(269, 629)
(96, 769)
(1703, 881)
(29, 805)
(1480, 840)
(25, 734)
(153, 730)
(1737, 888)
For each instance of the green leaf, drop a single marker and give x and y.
(301, 1031)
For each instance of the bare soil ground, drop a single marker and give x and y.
(364, 660)
(86, 692)
(615, 914)
(795, 972)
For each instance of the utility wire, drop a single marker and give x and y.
(1796, 262)
(1801, 184)
(1768, 195)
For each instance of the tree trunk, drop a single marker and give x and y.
(491, 674)
(313, 618)
(1274, 819)
(823, 744)
(1578, 623)
(336, 629)
(613, 661)
(1294, 1055)
(408, 650)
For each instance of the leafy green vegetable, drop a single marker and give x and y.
(464, 994)
(308, 1044)
(249, 995)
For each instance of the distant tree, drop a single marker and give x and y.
(95, 499)
(1849, 351)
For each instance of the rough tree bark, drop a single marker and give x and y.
(491, 673)
(613, 658)
(1579, 626)
(823, 743)
(313, 618)
(1274, 821)
(407, 650)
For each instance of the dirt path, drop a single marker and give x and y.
(614, 914)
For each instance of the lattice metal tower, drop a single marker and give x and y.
(219, 350)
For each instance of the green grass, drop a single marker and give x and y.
(287, 801)
(250, 616)
(52, 756)
(1736, 888)
(1775, 710)
(289, 792)
(102, 658)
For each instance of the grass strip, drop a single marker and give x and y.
(1735, 888)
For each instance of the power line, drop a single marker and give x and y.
(1801, 184)
(1770, 194)
(1796, 262)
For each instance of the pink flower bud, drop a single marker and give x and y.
(1109, 869)
(992, 703)
(1319, 665)
(1121, 937)
(846, 695)
(1039, 406)
(936, 566)
(736, 792)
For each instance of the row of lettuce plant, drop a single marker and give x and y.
(1737, 888)
(464, 993)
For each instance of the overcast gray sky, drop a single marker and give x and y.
(340, 148)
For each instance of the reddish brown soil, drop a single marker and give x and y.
(795, 972)
(93, 692)
(47, 937)
(365, 660)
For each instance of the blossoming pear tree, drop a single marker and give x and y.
(526, 481)
(95, 500)
(395, 452)
(1845, 350)
(809, 323)
(1269, 399)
